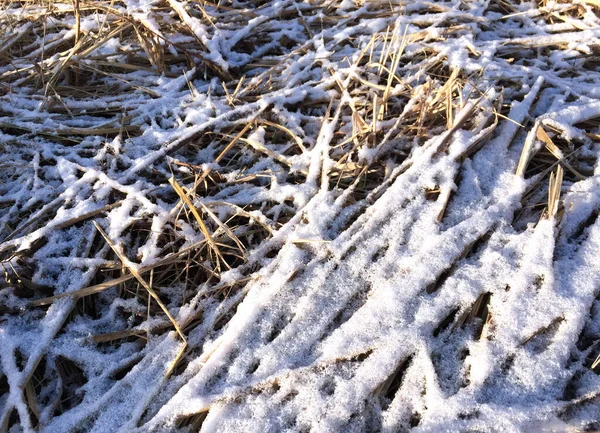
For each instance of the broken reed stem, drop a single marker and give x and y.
(218, 159)
(543, 136)
(382, 106)
(554, 191)
(184, 198)
(526, 154)
(77, 20)
(296, 139)
(91, 290)
(132, 268)
(224, 227)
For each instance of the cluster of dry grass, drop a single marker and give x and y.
(89, 69)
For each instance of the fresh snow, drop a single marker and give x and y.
(403, 269)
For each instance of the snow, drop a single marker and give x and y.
(400, 270)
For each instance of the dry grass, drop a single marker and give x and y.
(394, 99)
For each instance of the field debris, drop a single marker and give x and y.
(318, 215)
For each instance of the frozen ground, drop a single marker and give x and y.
(302, 216)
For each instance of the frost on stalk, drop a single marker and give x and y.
(299, 216)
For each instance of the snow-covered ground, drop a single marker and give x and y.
(302, 216)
